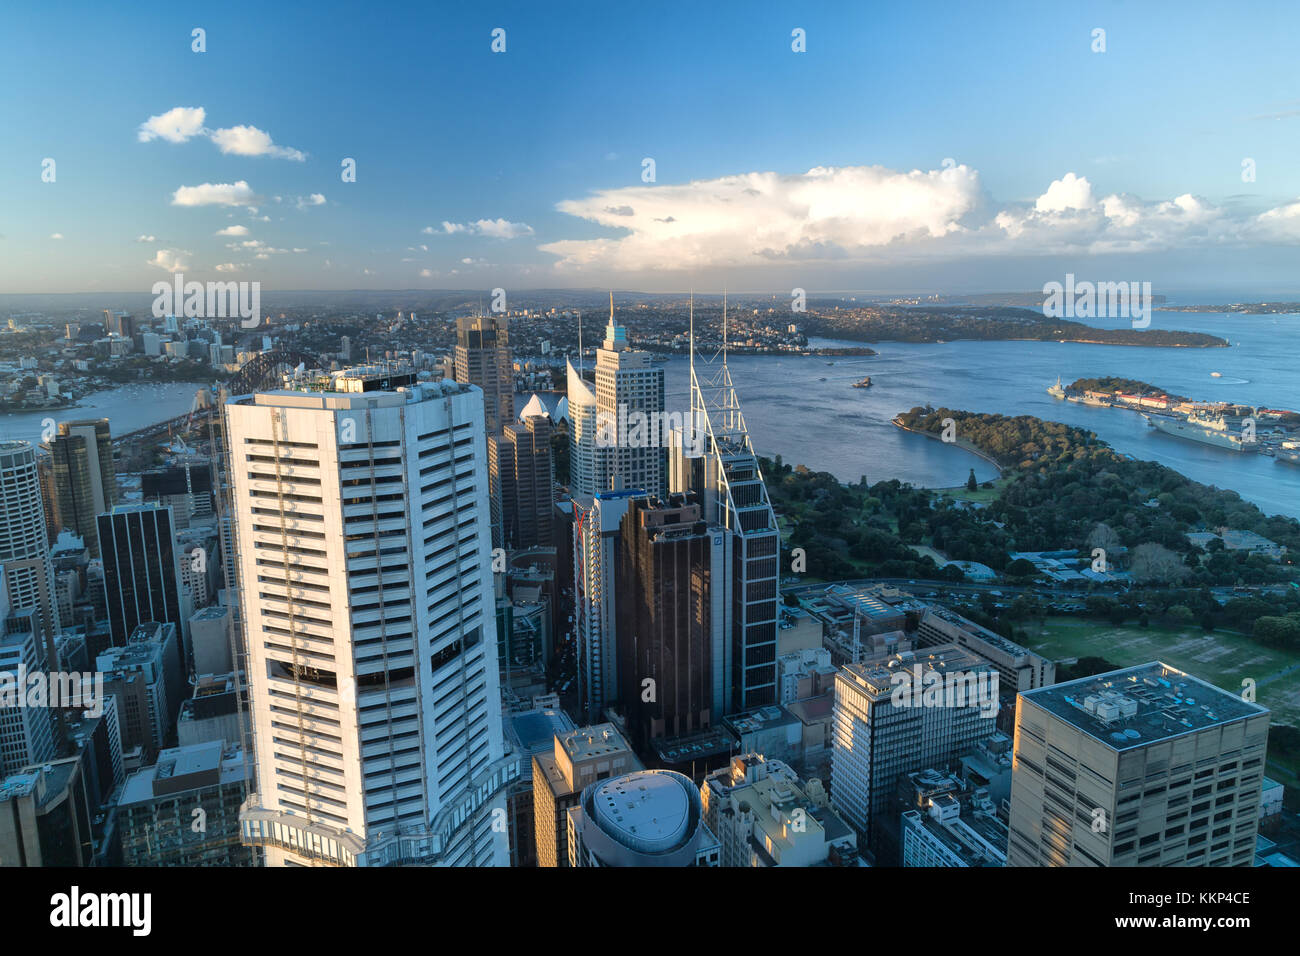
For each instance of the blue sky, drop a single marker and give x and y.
(534, 156)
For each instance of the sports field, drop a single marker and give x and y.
(1224, 658)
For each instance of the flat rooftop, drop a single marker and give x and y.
(592, 741)
(221, 765)
(536, 729)
(1010, 648)
(1135, 706)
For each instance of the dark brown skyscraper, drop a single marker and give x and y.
(667, 620)
(483, 359)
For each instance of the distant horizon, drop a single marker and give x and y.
(1216, 296)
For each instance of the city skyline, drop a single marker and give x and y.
(736, 436)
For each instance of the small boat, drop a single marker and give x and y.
(865, 383)
(821, 379)
(1216, 375)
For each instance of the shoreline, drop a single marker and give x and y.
(960, 443)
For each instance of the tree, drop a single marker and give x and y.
(1021, 568)
(1155, 562)
(971, 483)
(1103, 536)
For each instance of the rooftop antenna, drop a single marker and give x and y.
(611, 306)
(692, 329)
(579, 343)
(724, 326)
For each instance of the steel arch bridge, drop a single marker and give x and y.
(266, 371)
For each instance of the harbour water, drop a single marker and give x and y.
(126, 407)
(806, 410)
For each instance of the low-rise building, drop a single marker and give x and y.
(764, 815)
(644, 818)
(184, 809)
(951, 825)
(1019, 669)
(578, 758)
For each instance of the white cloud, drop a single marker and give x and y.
(173, 260)
(1069, 218)
(228, 267)
(144, 238)
(755, 218)
(492, 228)
(1068, 192)
(315, 199)
(215, 194)
(875, 215)
(176, 125)
(1277, 225)
(426, 274)
(251, 141)
(56, 235)
(183, 123)
(233, 231)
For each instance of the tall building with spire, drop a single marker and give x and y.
(629, 440)
(721, 468)
(610, 462)
(615, 433)
(361, 513)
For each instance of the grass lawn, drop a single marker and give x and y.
(979, 495)
(1222, 658)
(927, 551)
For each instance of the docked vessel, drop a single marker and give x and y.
(1209, 432)
(1057, 390)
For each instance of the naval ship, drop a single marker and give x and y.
(1213, 431)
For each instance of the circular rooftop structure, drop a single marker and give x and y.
(647, 811)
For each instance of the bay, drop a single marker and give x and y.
(804, 408)
(127, 407)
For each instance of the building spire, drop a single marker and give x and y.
(580, 342)
(611, 306)
(692, 330)
(724, 325)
